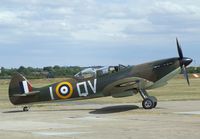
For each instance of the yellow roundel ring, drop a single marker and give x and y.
(64, 90)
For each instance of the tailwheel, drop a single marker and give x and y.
(25, 108)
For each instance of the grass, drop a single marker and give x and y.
(177, 89)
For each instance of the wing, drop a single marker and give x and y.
(126, 86)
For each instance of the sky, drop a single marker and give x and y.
(42, 33)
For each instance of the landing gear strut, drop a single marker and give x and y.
(25, 108)
(148, 102)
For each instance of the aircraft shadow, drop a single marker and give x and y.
(104, 110)
(18, 111)
(114, 109)
(14, 111)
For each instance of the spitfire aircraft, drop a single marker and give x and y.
(116, 81)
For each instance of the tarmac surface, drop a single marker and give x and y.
(170, 120)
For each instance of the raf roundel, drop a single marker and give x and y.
(64, 90)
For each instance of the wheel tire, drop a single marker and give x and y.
(155, 104)
(25, 108)
(148, 103)
(155, 100)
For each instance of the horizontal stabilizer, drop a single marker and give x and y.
(27, 94)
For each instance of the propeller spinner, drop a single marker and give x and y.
(184, 62)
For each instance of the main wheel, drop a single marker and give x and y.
(148, 103)
(155, 100)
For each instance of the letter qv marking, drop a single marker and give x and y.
(83, 88)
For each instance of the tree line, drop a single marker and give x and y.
(54, 72)
(37, 73)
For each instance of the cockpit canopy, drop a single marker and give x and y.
(94, 72)
(86, 73)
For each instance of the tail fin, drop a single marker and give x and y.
(18, 88)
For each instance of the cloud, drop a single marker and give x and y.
(96, 26)
(97, 20)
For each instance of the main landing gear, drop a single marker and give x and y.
(148, 102)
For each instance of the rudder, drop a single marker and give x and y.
(19, 85)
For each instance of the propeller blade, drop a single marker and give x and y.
(185, 74)
(180, 52)
(183, 61)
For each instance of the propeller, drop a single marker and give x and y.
(184, 61)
